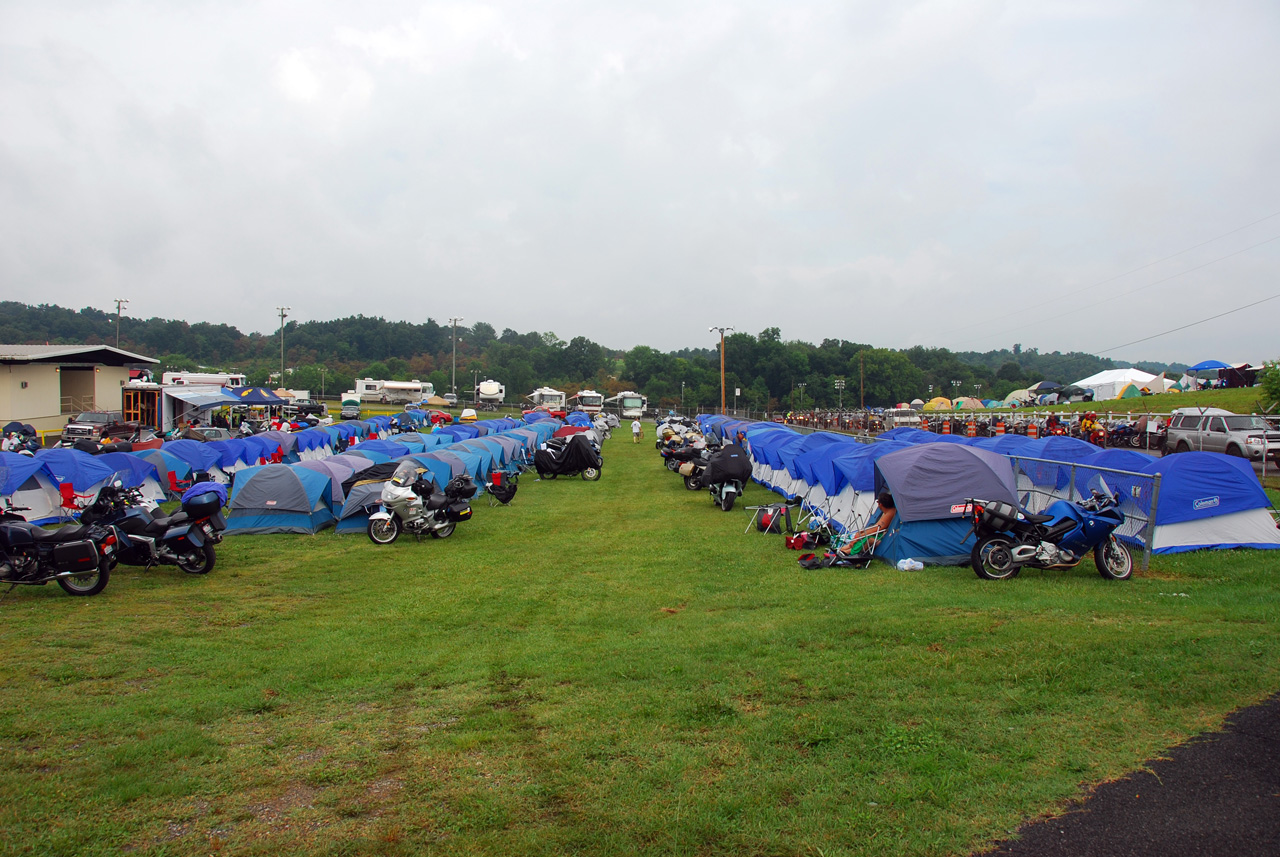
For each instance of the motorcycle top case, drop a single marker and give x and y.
(458, 512)
(202, 505)
(75, 556)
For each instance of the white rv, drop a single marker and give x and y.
(201, 379)
(630, 404)
(588, 401)
(490, 391)
(393, 392)
(551, 399)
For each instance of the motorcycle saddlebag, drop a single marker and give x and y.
(75, 556)
(686, 469)
(458, 512)
(999, 515)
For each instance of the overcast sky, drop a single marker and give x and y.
(1069, 175)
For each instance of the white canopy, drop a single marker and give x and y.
(1108, 383)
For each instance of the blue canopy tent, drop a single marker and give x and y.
(259, 396)
(930, 483)
(279, 498)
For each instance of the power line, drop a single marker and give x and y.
(1072, 293)
(1192, 324)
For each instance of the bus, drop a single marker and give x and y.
(588, 401)
(629, 404)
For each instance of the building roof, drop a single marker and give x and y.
(101, 355)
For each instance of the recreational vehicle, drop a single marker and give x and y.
(490, 391)
(551, 399)
(629, 404)
(201, 379)
(588, 401)
(393, 392)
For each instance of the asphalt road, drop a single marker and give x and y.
(1218, 795)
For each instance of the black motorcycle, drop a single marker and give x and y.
(726, 474)
(147, 539)
(568, 456)
(77, 557)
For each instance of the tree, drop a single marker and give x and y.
(1270, 381)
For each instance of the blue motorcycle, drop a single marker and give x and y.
(1010, 538)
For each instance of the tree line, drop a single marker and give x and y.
(762, 371)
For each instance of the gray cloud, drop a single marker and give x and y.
(895, 174)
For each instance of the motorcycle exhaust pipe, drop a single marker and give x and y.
(1023, 553)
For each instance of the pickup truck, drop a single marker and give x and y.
(306, 407)
(1241, 435)
(91, 425)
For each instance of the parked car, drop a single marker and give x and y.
(451, 398)
(350, 412)
(205, 433)
(1216, 430)
(90, 425)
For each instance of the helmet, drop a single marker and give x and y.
(770, 521)
(1091, 415)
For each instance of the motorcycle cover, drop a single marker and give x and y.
(576, 456)
(729, 464)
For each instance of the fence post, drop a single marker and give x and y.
(1071, 489)
(1151, 524)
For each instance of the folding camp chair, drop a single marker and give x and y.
(784, 508)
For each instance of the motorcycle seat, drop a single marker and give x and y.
(1037, 519)
(70, 533)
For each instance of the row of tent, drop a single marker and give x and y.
(54, 483)
(1206, 500)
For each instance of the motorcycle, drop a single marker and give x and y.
(725, 475)
(411, 504)
(78, 557)
(1010, 538)
(185, 539)
(568, 456)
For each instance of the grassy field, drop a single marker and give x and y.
(601, 668)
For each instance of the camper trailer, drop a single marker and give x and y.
(551, 399)
(201, 379)
(588, 401)
(629, 404)
(897, 417)
(490, 391)
(393, 392)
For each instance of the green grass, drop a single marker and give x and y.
(606, 668)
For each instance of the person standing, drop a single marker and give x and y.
(635, 431)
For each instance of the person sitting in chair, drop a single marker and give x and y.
(862, 538)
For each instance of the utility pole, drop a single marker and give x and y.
(284, 313)
(120, 303)
(453, 380)
(862, 386)
(322, 371)
(713, 329)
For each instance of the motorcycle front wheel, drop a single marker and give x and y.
(591, 474)
(992, 559)
(444, 532)
(384, 531)
(1113, 559)
(198, 560)
(89, 583)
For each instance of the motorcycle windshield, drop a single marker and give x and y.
(406, 474)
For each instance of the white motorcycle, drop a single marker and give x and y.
(411, 503)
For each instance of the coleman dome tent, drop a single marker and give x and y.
(277, 498)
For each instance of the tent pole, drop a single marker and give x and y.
(1151, 524)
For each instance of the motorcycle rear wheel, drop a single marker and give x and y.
(89, 583)
(691, 482)
(591, 474)
(444, 532)
(384, 531)
(1113, 559)
(992, 560)
(198, 560)
(726, 502)
(542, 475)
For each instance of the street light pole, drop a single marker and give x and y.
(284, 313)
(801, 387)
(120, 303)
(453, 380)
(713, 329)
(682, 398)
(840, 387)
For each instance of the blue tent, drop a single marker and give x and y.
(1208, 501)
(194, 453)
(82, 470)
(1205, 365)
(278, 498)
(930, 483)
